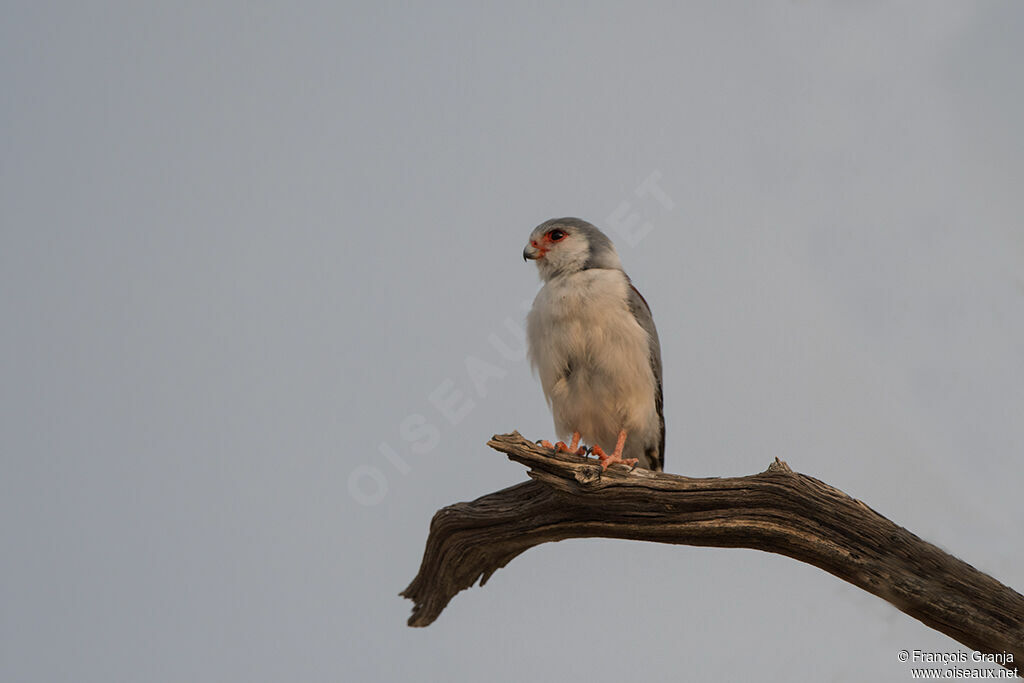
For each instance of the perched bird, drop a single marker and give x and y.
(592, 341)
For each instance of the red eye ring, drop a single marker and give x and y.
(556, 235)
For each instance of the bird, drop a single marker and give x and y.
(591, 340)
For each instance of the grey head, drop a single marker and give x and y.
(562, 246)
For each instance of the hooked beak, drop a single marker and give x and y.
(532, 253)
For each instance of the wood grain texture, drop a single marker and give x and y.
(778, 511)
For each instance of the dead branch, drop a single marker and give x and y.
(778, 511)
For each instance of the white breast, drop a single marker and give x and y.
(593, 358)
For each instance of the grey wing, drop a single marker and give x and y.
(642, 312)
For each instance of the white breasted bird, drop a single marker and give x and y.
(592, 340)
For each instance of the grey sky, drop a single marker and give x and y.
(242, 244)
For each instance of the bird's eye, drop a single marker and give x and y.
(556, 235)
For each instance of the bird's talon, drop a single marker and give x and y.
(608, 460)
(546, 444)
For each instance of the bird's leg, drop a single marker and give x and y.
(571, 448)
(616, 456)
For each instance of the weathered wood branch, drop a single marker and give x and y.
(778, 511)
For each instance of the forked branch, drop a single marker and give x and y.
(778, 511)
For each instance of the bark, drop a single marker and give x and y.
(778, 511)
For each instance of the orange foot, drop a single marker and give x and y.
(574, 448)
(616, 456)
(561, 446)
